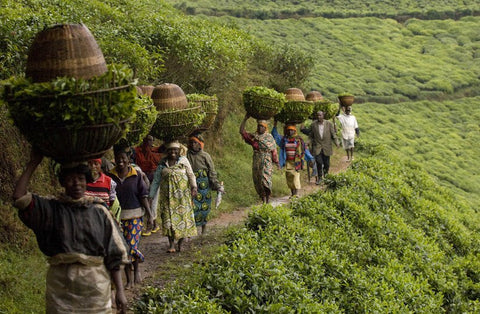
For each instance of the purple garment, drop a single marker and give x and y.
(130, 190)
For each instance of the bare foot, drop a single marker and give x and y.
(129, 285)
(137, 277)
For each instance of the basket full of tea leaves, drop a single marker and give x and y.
(73, 119)
(209, 106)
(295, 111)
(262, 102)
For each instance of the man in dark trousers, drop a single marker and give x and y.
(322, 136)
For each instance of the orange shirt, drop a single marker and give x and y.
(147, 158)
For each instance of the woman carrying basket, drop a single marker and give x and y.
(176, 181)
(264, 156)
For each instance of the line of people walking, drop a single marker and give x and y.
(294, 153)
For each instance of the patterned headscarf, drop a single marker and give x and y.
(263, 123)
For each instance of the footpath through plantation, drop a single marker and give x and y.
(161, 267)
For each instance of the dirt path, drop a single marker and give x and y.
(155, 270)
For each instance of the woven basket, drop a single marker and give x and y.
(174, 124)
(346, 101)
(329, 109)
(209, 108)
(147, 90)
(64, 50)
(262, 107)
(65, 144)
(314, 96)
(169, 96)
(295, 112)
(294, 94)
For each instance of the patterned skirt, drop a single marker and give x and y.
(132, 231)
(203, 201)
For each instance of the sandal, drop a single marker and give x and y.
(156, 229)
(147, 233)
(171, 251)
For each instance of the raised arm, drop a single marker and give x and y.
(22, 183)
(242, 125)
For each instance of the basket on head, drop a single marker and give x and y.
(346, 100)
(262, 103)
(65, 144)
(169, 96)
(328, 108)
(294, 94)
(209, 105)
(295, 112)
(64, 50)
(147, 89)
(314, 96)
(176, 123)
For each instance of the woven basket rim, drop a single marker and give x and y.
(179, 110)
(98, 91)
(263, 96)
(83, 127)
(203, 99)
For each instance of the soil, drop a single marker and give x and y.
(155, 269)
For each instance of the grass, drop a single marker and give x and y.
(22, 279)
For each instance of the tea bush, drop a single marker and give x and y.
(383, 237)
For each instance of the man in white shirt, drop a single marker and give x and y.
(349, 129)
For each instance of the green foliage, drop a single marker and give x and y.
(328, 107)
(384, 237)
(109, 98)
(175, 123)
(142, 122)
(23, 284)
(295, 111)
(209, 105)
(376, 58)
(276, 9)
(261, 102)
(442, 136)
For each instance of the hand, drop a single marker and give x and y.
(35, 156)
(194, 192)
(310, 163)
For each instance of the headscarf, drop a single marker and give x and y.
(199, 139)
(291, 127)
(173, 144)
(263, 123)
(97, 160)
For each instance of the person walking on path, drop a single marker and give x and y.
(132, 194)
(264, 156)
(204, 170)
(293, 151)
(349, 126)
(103, 187)
(176, 181)
(83, 243)
(322, 137)
(147, 158)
